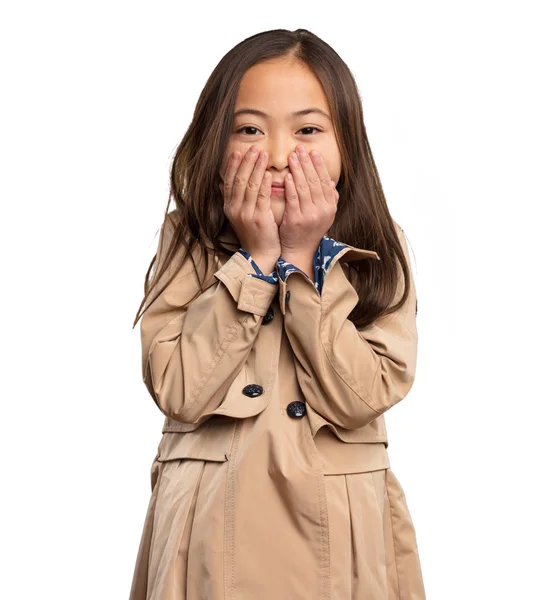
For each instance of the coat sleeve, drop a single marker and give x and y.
(350, 376)
(196, 340)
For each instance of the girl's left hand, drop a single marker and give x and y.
(310, 204)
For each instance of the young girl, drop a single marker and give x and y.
(280, 324)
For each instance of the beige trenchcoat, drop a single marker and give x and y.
(255, 497)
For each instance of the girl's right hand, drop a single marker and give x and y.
(247, 193)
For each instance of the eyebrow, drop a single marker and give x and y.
(298, 113)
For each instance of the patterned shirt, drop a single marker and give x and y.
(325, 251)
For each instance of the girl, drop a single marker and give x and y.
(274, 363)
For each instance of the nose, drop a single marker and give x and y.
(278, 149)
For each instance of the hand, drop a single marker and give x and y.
(247, 205)
(310, 205)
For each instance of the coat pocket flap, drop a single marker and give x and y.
(211, 441)
(339, 457)
(375, 431)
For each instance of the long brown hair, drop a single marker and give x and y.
(362, 219)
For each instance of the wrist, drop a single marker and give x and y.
(266, 262)
(303, 261)
(298, 256)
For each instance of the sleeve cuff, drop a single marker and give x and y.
(251, 293)
(271, 278)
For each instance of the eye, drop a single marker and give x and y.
(310, 127)
(247, 127)
(256, 129)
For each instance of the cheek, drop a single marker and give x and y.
(333, 166)
(332, 160)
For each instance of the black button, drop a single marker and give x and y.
(268, 317)
(296, 409)
(253, 390)
(287, 296)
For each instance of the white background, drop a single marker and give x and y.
(460, 105)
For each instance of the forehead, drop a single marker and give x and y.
(280, 87)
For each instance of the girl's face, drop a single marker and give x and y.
(278, 89)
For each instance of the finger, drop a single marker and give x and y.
(264, 195)
(254, 184)
(325, 180)
(292, 203)
(335, 194)
(241, 177)
(335, 191)
(228, 179)
(316, 191)
(302, 190)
